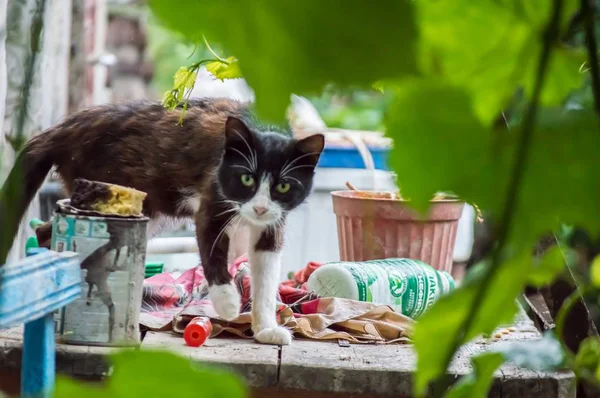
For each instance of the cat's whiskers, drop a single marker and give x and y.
(226, 211)
(223, 229)
(229, 201)
(245, 157)
(252, 152)
(294, 168)
(286, 166)
(241, 166)
(297, 180)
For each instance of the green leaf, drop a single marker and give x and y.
(545, 354)
(588, 355)
(379, 86)
(450, 145)
(595, 271)
(299, 47)
(156, 374)
(221, 70)
(546, 269)
(443, 323)
(449, 150)
(489, 47)
(564, 76)
(184, 78)
(477, 383)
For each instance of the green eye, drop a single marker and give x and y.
(247, 180)
(282, 187)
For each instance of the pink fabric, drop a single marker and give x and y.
(165, 297)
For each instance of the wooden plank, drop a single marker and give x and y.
(38, 285)
(257, 363)
(538, 305)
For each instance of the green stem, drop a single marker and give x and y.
(565, 309)
(588, 9)
(196, 65)
(212, 51)
(550, 37)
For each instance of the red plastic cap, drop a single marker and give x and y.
(197, 331)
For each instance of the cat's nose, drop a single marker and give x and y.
(260, 210)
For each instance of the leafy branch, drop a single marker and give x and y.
(550, 37)
(185, 79)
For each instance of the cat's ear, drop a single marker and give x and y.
(312, 145)
(236, 132)
(309, 149)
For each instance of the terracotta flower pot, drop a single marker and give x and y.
(372, 225)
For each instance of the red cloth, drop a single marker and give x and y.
(165, 297)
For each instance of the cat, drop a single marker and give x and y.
(220, 166)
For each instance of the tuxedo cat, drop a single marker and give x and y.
(220, 167)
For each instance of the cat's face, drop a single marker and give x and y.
(264, 175)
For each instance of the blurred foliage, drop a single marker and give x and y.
(155, 374)
(353, 109)
(491, 99)
(168, 51)
(453, 71)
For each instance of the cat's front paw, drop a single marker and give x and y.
(277, 335)
(226, 300)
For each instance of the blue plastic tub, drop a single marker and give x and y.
(349, 158)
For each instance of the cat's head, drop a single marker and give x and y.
(265, 174)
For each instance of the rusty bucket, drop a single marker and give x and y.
(373, 225)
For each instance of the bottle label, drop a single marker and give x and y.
(409, 286)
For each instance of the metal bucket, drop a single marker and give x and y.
(113, 251)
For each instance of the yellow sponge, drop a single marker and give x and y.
(107, 198)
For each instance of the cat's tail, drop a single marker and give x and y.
(24, 180)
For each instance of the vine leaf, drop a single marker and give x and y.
(449, 145)
(443, 322)
(564, 76)
(595, 271)
(491, 48)
(184, 78)
(477, 383)
(450, 150)
(153, 374)
(288, 48)
(221, 70)
(545, 354)
(548, 267)
(588, 356)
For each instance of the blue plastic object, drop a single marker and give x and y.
(31, 290)
(349, 158)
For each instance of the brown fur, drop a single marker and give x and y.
(161, 158)
(139, 144)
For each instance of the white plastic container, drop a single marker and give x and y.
(409, 286)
